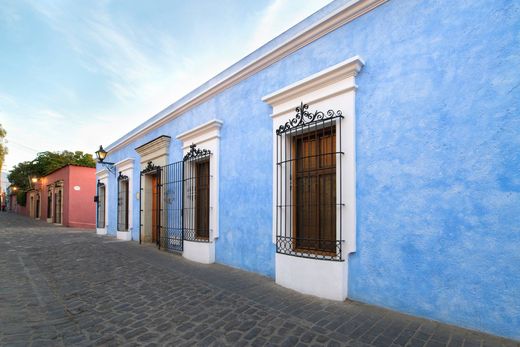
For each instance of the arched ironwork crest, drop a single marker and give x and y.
(150, 167)
(121, 177)
(195, 153)
(304, 117)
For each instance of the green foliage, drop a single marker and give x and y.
(20, 175)
(46, 162)
(3, 148)
(21, 198)
(43, 164)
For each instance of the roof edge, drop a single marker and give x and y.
(344, 14)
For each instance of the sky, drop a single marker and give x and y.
(71, 69)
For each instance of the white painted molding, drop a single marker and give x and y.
(102, 176)
(205, 131)
(103, 173)
(156, 145)
(333, 88)
(124, 164)
(155, 151)
(200, 252)
(102, 231)
(347, 13)
(207, 136)
(325, 279)
(322, 79)
(124, 235)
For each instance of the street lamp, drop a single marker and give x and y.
(34, 179)
(15, 189)
(101, 154)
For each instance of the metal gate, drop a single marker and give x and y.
(179, 201)
(171, 193)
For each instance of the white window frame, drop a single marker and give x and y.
(102, 177)
(331, 89)
(126, 168)
(205, 136)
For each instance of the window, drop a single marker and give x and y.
(57, 206)
(307, 177)
(37, 212)
(122, 203)
(101, 205)
(200, 176)
(49, 202)
(315, 190)
(202, 200)
(197, 188)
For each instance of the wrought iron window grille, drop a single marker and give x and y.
(49, 202)
(122, 202)
(196, 207)
(176, 202)
(308, 174)
(100, 208)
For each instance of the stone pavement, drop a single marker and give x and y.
(61, 286)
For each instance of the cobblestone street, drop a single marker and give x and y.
(62, 286)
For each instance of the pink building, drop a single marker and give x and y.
(64, 197)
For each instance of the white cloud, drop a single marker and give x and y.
(281, 15)
(144, 70)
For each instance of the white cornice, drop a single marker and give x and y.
(333, 74)
(203, 132)
(160, 143)
(102, 173)
(125, 162)
(347, 13)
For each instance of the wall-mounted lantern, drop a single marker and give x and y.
(101, 154)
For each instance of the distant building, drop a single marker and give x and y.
(3, 189)
(64, 197)
(11, 202)
(4, 183)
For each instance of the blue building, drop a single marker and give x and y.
(370, 152)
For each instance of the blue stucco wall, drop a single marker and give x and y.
(438, 163)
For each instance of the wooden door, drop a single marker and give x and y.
(58, 207)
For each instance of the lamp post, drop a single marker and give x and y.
(101, 154)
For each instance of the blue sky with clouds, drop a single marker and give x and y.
(69, 67)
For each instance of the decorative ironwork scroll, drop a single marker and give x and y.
(196, 152)
(122, 177)
(304, 117)
(150, 167)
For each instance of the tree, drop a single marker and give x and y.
(44, 163)
(3, 148)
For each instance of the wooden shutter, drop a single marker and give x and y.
(202, 200)
(315, 190)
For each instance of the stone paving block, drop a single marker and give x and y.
(79, 289)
